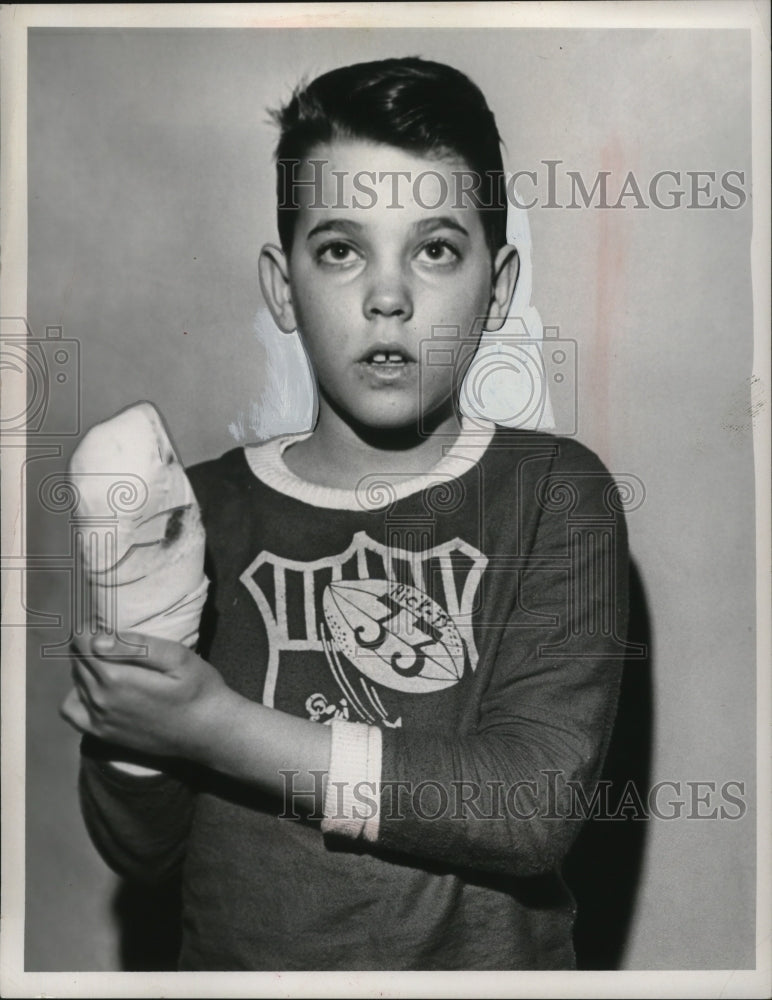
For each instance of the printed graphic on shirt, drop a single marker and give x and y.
(320, 710)
(382, 619)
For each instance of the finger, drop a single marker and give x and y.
(86, 664)
(81, 644)
(86, 685)
(137, 649)
(98, 679)
(94, 651)
(73, 711)
(128, 646)
(86, 646)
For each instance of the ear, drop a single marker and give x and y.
(506, 268)
(274, 282)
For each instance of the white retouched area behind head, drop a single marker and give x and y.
(507, 382)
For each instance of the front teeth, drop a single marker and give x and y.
(384, 358)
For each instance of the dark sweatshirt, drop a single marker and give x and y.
(463, 632)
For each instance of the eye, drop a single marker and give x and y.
(336, 252)
(439, 252)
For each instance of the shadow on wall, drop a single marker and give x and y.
(148, 920)
(604, 867)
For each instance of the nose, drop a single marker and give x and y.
(388, 295)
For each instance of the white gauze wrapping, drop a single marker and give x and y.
(143, 550)
(144, 567)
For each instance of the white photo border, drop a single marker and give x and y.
(16, 20)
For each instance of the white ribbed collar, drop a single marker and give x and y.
(377, 490)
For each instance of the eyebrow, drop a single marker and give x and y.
(440, 222)
(421, 227)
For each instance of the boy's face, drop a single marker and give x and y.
(366, 285)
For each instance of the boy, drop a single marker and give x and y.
(410, 658)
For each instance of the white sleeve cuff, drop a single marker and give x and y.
(352, 797)
(138, 770)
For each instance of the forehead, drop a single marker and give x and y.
(382, 186)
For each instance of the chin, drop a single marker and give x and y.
(410, 420)
(379, 413)
(391, 422)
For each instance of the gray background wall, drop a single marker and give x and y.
(151, 192)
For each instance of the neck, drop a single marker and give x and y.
(340, 451)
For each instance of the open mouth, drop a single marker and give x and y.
(387, 356)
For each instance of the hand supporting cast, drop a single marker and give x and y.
(158, 697)
(147, 694)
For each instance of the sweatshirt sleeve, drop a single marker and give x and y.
(139, 824)
(505, 794)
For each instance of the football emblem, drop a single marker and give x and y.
(396, 635)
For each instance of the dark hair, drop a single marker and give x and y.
(417, 105)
